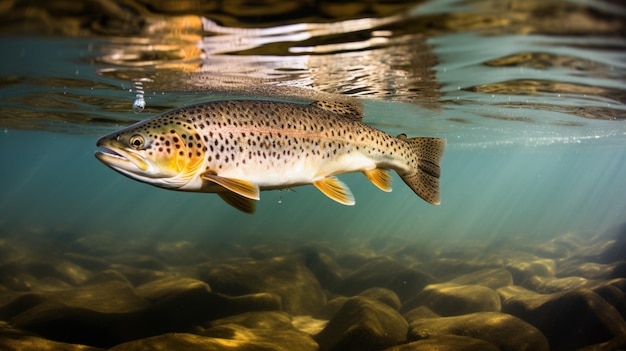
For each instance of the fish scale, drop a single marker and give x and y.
(312, 134)
(236, 148)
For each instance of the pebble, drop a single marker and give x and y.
(449, 299)
(12, 339)
(363, 324)
(98, 292)
(506, 332)
(262, 328)
(298, 288)
(577, 318)
(447, 343)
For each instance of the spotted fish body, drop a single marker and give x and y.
(236, 148)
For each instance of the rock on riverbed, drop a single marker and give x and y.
(100, 293)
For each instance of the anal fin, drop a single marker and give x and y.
(336, 190)
(380, 177)
(238, 186)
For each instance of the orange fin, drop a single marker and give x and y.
(380, 177)
(238, 186)
(239, 202)
(336, 190)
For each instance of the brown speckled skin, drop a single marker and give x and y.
(273, 145)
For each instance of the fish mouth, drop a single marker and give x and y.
(121, 160)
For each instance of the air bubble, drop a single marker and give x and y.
(140, 103)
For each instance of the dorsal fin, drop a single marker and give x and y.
(351, 109)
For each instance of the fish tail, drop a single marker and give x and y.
(426, 154)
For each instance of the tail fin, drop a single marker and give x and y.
(424, 179)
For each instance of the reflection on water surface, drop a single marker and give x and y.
(547, 55)
(530, 96)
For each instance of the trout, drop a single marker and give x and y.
(237, 148)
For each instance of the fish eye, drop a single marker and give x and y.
(137, 141)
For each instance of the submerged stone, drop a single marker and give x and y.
(420, 312)
(12, 339)
(447, 343)
(502, 330)
(61, 269)
(386, 296)
(139, 276)
(99, 315)
(111, 313)
(291, 280)
(570, 320)
(523, 270)
(309, 324)
(386, 273)
(256, 320)
(329, 310)
(363, 324)
(589, 270)
(193, 342)
(186, 310)
(451, 299)
(493, 278)
(107, 275)
(273, 329)
(325, 269)
(87, 262)
(158, 290)
(551, 285)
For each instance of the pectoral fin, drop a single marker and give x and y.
(336, 190)
(239, 202)
(238, 186)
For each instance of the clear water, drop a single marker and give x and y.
(532, 107)
(530, 95)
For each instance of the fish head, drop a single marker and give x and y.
(161, 151)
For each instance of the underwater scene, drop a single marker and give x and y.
(313, 175)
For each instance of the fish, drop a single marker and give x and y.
(238, 148)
